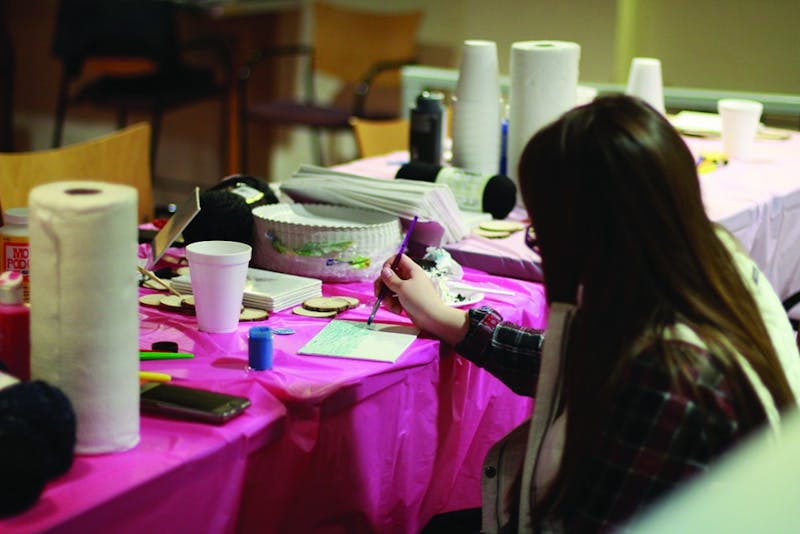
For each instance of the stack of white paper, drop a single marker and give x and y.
(403, 198)
(268, 290)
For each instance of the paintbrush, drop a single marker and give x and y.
(384, 290)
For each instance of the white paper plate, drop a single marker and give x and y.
(469, 299)
(332, 243)
(323, 216)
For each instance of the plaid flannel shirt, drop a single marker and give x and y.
(659, 430)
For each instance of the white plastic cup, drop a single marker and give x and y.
(739, 119)
(478, 78)
(476, 109)
(644, 81)
(218, 270)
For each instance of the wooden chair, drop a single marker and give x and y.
(127, 55)
(374, 138)
(363, 50)
(122, 157)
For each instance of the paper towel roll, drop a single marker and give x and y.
(543, 85)
(84, 306)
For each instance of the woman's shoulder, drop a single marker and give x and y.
(770, 307)
(688, 412)
(679, 362)
(687, 377)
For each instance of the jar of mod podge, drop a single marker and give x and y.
(14, 249)
(15, 340)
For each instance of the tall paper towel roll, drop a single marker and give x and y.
(543, 85)
(84, 307)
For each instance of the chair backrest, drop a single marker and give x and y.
(374, 138)
(136, 29)
(122, 157)
(348, 42)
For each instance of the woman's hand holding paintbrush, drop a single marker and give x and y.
(383, 290)
(408, 288)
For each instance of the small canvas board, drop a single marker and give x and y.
(176, 224)
(358, 340)
(268, 290)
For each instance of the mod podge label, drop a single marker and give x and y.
(16, 257)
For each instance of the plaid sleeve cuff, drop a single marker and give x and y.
(482, 323)
(510, 352)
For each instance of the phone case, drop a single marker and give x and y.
(190, 403)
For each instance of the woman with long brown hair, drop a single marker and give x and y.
(664, 344)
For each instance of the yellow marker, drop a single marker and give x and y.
(148, 376)
(710, 161)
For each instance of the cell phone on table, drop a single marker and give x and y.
(190, 403)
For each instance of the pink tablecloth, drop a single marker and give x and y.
(328, 445)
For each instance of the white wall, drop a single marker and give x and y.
(749, 45)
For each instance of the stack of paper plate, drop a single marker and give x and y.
(332, 243)
(267, 290)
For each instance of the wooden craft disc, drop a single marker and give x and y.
(171, 301)
(299, 310)
(253, 314)
(326, 304)
(502, 226)
(152, 284)
(187, 301)
(182, 271)
(153, 299)
(352, 302)
(490, 234)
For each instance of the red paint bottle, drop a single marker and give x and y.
(15, 339)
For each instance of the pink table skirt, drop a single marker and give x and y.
(328, 444)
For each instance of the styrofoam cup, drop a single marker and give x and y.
(218, 270)
(478, 78)
(644, 81)
(739, 119)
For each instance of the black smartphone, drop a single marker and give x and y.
(190, 403)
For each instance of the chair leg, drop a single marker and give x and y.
(61, 109)
(316, 146)
(243, 141)
(156, 133)
(224, 135)
(122, 117)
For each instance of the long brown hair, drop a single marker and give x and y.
(613, 194)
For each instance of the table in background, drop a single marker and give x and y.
(757, 200)
(246, 26)
(328, 445)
